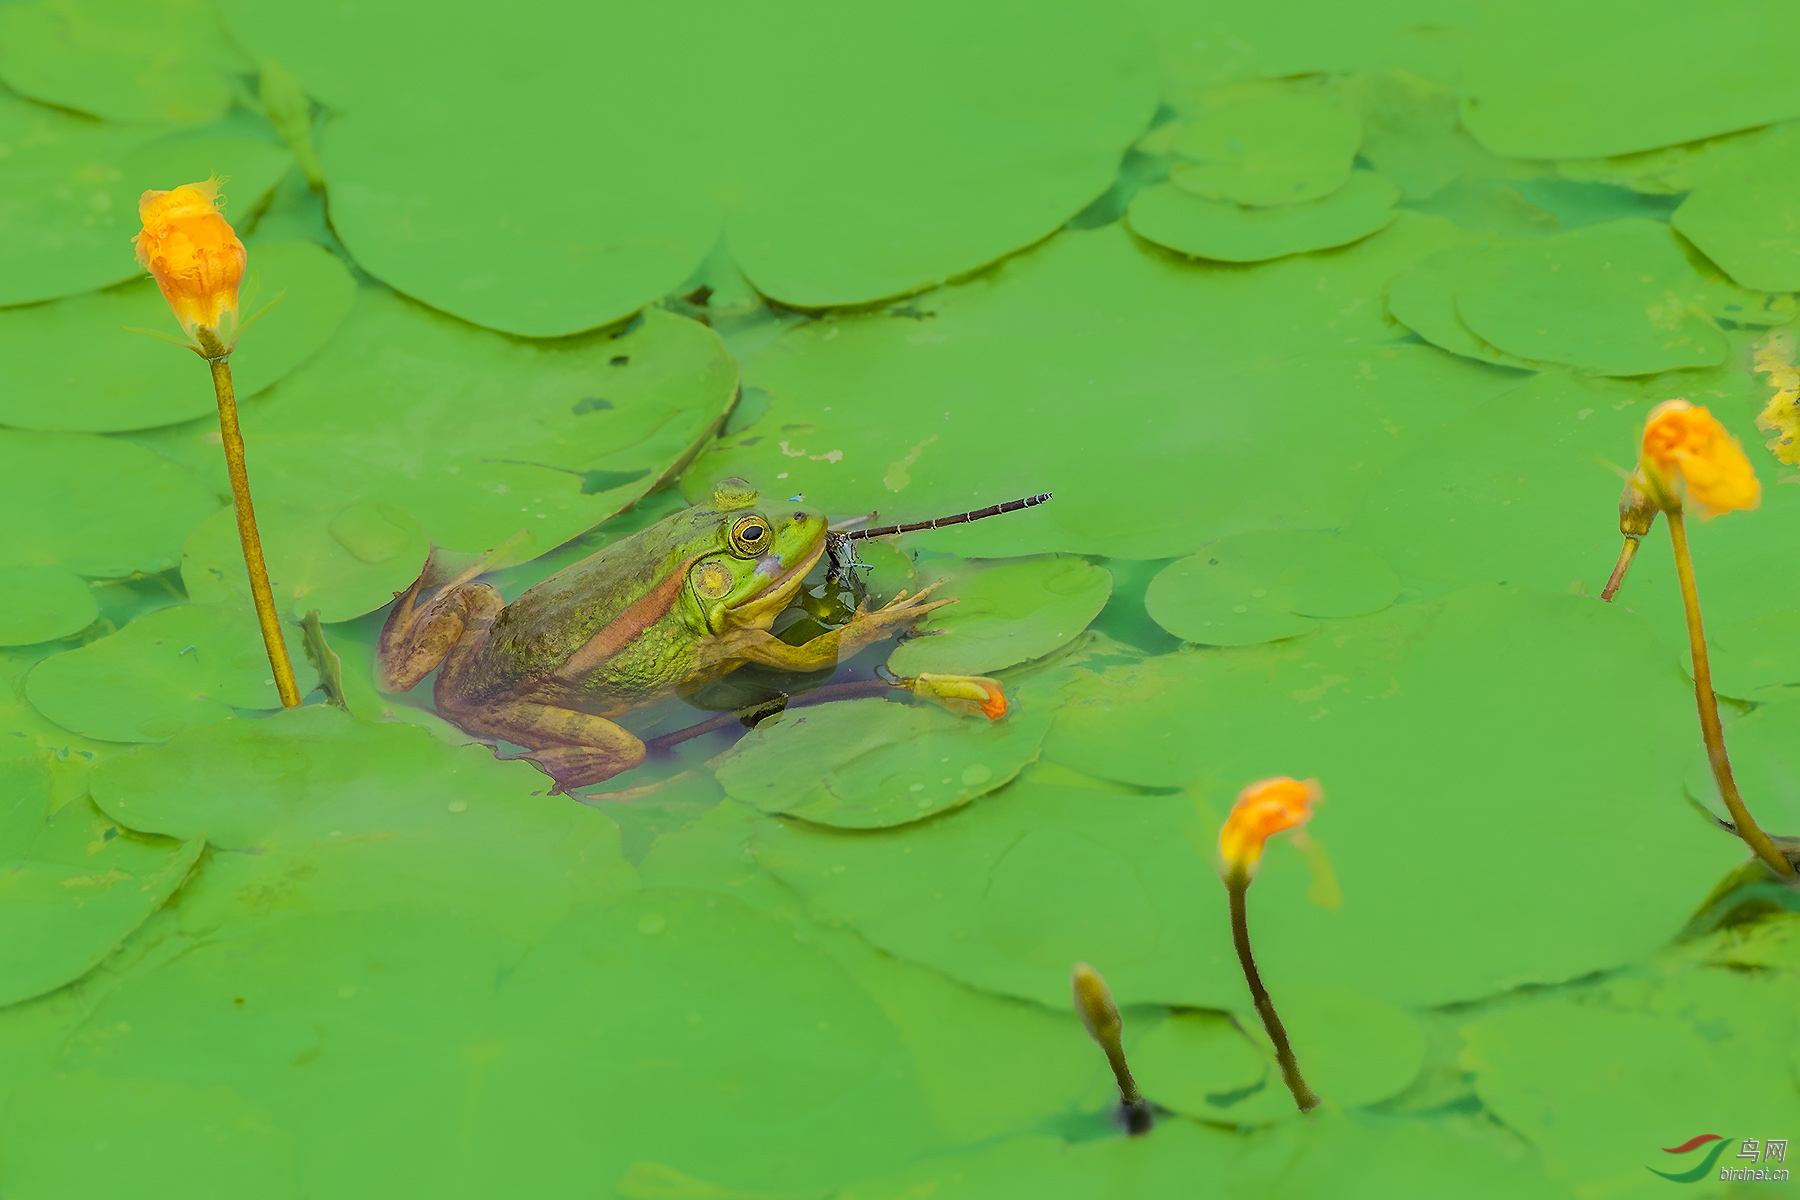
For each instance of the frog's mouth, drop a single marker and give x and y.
(762, 607)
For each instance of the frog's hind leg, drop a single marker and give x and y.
(577, 748)
(417, 637)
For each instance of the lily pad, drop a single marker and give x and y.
(870, 764)
(1744, 214)
(1755, 659)
(171, 670)
(1262, 586)
(1186, 432)
(1353, 1050)
(1552, 80)
(342, 561)
(1617, 298)
(1261, 144)
(1603, 1082)
(477, 435)
(124, 60)
(81, 363)
(71, 886)
(40, 603)
(961, 135)
(1006, 893)
(312, 810)
(95, 505)
(70, 192)
(1006, 612)
(1171, 215)
(1765, 765)
(1424, 300)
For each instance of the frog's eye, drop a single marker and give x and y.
(750, 536)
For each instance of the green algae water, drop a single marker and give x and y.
(1331, 330)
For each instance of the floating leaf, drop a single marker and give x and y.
(1185, 433)
(869, 764)
(1005, 613)
(1617, 299)
(1260, 144)
(1424, 300)
(171, 670)
(71, 887)
(40, 603)
(1259, 587)
(125, 60)
(477, 435)
(1172, 215)
(344, 562)
(83, 363)
(1552, 80)
(71, 187)
(95, 505)
(961, 135)
(1745, 212)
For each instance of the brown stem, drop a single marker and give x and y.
(824, 695)
(1618, 575)
(1710, 728)
(1237, 883)
(220, 361)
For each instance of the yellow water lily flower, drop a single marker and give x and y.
(1781, 417)
(195, 257)
(1689, 460)
(1263, 809)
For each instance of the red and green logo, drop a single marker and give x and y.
(1700, 1169)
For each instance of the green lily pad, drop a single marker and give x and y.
(125, 60)
(477, 435)
(1186, 433)
(870, 764)
(961, 136)
(171, 670)
(1201, 1065)
(40, 603)
(1551, 80)
(1005, 613)
(1166, 1162)
(71, 886)
(70, 193)
(1171, 215)
(95, 505)
(1744, 213)
(81, 363)
(1755, 659)
(154, 1129)
(1424, 300)
(1764, 764)
(1262, 586)
(1602, 1082)
(1261, 144)
(1005, 894)
(344, 562)
(1616, 299)
(311, 809)
(683, 1001)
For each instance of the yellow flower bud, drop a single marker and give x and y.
(195, 257)
(966, 695)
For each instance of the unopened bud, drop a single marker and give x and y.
(1094, 1005)
(290, 112)
(965, 695)
(1637, 512)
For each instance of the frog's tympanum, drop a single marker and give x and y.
(663, 611)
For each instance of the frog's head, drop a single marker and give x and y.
(753, 557)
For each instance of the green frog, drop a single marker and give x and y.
(661, 612)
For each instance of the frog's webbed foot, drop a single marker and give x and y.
(867, 627)
(576, 749)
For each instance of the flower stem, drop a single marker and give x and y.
(1618, 574)
(1708, 703)
(246, 523)
(1237, 884)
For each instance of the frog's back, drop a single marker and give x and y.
(623, 591)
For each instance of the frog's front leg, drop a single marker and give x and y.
(832, 647)
(576, 748)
